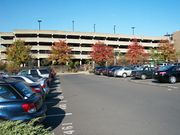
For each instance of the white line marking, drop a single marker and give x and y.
(56, 115)
(67, 127)
(63, 101)
(61, 97)
(69, 132)
(63, 106)
(169, 89)
(174, 87)
(66, 124)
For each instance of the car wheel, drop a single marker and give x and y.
(143, 77)
(172, 79)
(124, 75)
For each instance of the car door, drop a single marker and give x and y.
(128, 71)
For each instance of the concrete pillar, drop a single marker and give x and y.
(80, 62)
(39, 62)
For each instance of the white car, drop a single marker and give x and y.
(123, 72)
(29, 79)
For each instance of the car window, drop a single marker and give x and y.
(34, 72)
(24, 72)
(164, 68)
(24, 89)
(6, 92)
(177, 68)
(44, 71)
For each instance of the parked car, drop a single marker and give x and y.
(143, 73)
(35, 87)
(19, 102)
(99, 70)
(47, 73)
(112, 71)
(123, 72)
(107, 70)
(170, 73)
(28, 79)
(3, 74)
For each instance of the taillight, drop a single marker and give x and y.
(43, 86)
(29, 107)
(162, 73)
(37, 90)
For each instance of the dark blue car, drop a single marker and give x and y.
(19, 102)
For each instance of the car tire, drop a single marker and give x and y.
(124, 75)
(172, 79)
(143, 77)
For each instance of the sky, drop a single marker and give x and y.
(149, 17)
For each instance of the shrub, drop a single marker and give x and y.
(2, 65)
(20, 128)
(12, 68)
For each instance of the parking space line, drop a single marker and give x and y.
(63, 101)
(66, 124)
(57, 115)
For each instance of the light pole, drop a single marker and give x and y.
(114, 29)
(39, 21)
(73, 25)
(94, 28)
(133, 30)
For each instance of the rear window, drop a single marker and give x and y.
(164, 68)
(44, 71)
(34, 72)
(6, 92)
(24, 89)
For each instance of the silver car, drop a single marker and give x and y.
(123, 72)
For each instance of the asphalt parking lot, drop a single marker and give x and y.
(88, 104)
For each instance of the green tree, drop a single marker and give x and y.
(167, 51)
(19, 53)
(121, 59)
(60, 52)
(155, 56)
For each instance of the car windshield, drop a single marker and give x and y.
(139, 68)
(24, 89)
(164, 68)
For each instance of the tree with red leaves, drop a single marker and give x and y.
(136, 53)
(60, 52)
(102, 53)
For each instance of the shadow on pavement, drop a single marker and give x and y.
(54, 114)
(54, 118)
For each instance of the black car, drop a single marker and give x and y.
(170, 73)
(19, 102)
(98, 70)
(143, 73)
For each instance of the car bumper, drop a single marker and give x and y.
(41, 114)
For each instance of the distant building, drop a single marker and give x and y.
(176, 40)
(80, 42)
